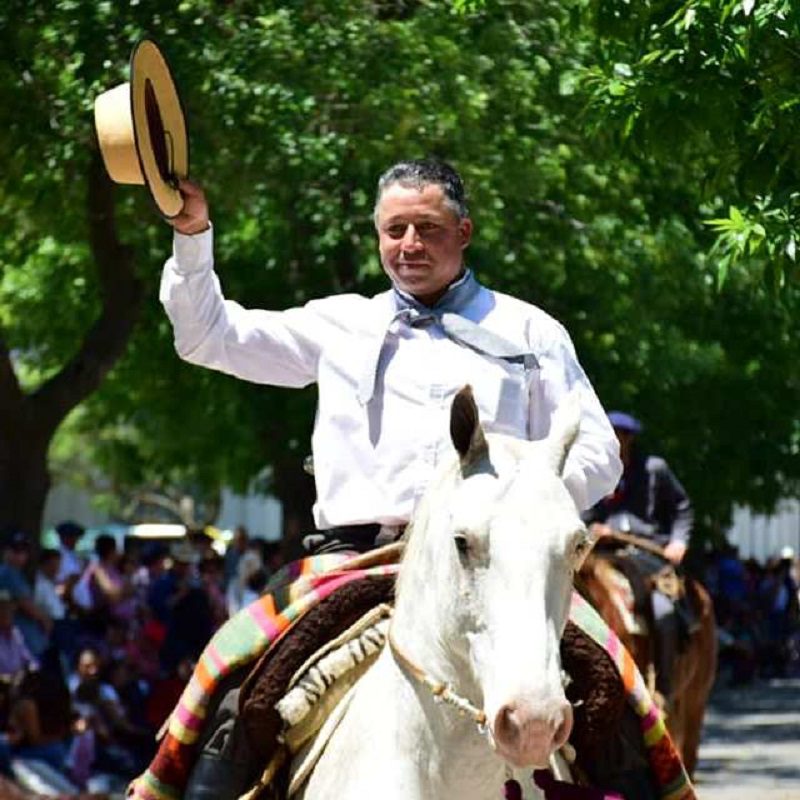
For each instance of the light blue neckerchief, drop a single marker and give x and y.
(447, 313)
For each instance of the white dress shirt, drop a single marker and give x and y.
(46, 597)
(71, 564)
(372, 462)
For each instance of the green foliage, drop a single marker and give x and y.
(294, 109)
(712, 83)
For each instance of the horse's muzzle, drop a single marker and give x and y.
(526, 737)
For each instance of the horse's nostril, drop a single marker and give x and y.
(506, 726)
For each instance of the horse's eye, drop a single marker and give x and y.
(462, 545)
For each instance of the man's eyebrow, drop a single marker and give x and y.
(402, 218)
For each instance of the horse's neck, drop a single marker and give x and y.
(396, 738)
(429, 745)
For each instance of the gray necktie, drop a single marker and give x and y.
(460, 330)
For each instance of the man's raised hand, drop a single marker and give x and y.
(194, 214)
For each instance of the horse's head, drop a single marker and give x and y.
(499, 538)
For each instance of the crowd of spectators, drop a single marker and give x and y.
(94, 652)
(758, 614)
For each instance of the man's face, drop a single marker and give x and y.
(50, 567)
(18, 557)
(421, 240)
(626, 439)
(88, 665)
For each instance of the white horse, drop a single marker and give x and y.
(482, 601)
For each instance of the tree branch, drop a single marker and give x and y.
(121, 292)
(11, 395)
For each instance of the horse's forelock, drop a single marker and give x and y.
(522, 469)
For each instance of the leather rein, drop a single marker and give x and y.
(442, 692)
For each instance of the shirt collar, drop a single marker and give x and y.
(460, 293)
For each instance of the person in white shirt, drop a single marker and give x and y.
(388, 367)
(69, 533)
(45, 589)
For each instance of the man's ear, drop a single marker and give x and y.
(465, 230)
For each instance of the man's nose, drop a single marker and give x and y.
(411, 238)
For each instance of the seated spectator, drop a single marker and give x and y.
(108, 591)
(236, 549)
(34, 624)
(142, 651)
(250, 579)
(88, 692)
(211, 576)
(166, 691)
(47, 597)
(189, 617)
(40, 720)
(738, 647)
(71, 566)
(127, 609)
(45, 588)
(15, 657)
(129, 721)
(99, 707)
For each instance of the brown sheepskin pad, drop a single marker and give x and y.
(596, 692)
(268, 680)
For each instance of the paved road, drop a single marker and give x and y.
(751, 744)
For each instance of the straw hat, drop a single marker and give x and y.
(141, 129)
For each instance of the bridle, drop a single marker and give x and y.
(442, 692)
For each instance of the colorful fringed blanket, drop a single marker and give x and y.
(298, 588)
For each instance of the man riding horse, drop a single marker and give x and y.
(650, 503)
(388, 367)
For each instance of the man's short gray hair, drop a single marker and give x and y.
(421, 172)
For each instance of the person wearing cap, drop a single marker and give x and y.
(650, 503)
(388, 367)
(649, 500)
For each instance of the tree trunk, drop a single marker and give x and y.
(29, 421)
(24, 481)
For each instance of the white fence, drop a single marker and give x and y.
(761, 537)
(261, 515)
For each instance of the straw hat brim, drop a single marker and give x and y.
(141, 129)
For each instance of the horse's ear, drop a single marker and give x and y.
(465, 429)
(564, 430)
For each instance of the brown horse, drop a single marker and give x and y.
(694, 668)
